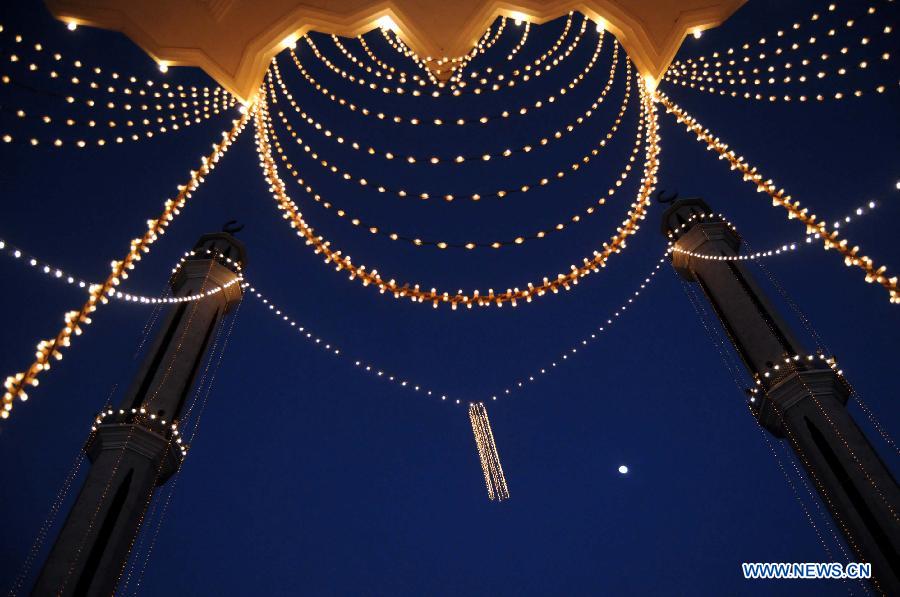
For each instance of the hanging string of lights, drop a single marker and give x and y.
(438, 121)
(527, 73)
(829, 237)
(387, 67)
(397, 44)
(494, 479)
(97, 294)
(458, 90)
(757, 255)
(173, 124)
(360, 63)
(481, 47)
(357, 145)
(518, 239)
(414, 292)
(572, 351)
(544, 56)
(699, 74)
(570, 169)
(41, 50)
(365, 366)
(764, 41)
(522, 41)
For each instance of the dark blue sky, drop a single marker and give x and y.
(308, 476)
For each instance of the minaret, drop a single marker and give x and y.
(799, 396)
(135, 448)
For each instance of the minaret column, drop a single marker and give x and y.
(798, 396)
(136, 447)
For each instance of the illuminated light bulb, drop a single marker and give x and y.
(697, 33)
(71, 25)
(163, 67)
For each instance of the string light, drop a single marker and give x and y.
(573, 350)
(366, 277)
(494, 479)
(359, 63)
(571, 168)
(779, 198)
(780, 250)
(524, 39)
(460, 89)
(387, 67)
(439, 121)
(361, 365)
(97, 294)
(397, 44)
(529, 147)
(517, 240)
(546, 54)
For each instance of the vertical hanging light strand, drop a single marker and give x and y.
(487, 453)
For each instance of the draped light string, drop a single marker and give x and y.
(458, 90)
(682, 66)
(530, 71)
(438, 121)
(544, 56)
(122, 79)
(570, 169)
(573, 351)
(414, 292)
(494, 479)
(362, 365)
(401, 48)
(129, 87)
(524, 39)
(355, 144)
(756, 255)
(97, 294)
(481, 47)
(700, 74)
(387, 67)
(359, 63)
(518, 239)
(56, 273)
(829, 237)
(130, 135)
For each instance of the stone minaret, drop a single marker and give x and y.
(136, 447)
(798, 396)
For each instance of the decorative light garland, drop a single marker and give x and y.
(546, 54)
(387, 67)
(97, 294)
(530, 71)
(573, 167)
(458, 159)
(469, 245)
(573, 350)
(565, 281)
(494, 479)
(397, 44)
(457, 91)
(781, 199)
(362, 365)
(359, 63)
(518, 47)
(150, 421)
(439, 121)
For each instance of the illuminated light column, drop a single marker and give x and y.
(135, 448)
(799, 396)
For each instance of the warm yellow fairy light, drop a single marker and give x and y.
(71, 25)
(415, 292)
(468, 245)
(494, 479)
(780, 198)
(163, 67)
(15, 385)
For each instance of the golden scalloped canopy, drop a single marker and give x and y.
(234, 40)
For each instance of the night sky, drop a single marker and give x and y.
(308, 476)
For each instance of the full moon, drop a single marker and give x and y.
(623, 469)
